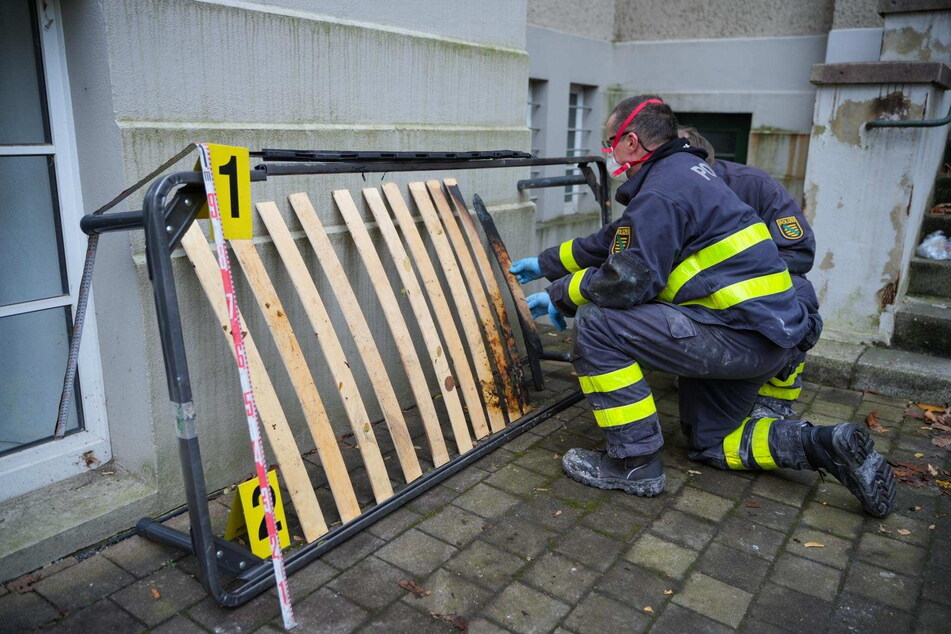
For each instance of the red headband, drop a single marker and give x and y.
(627, 121)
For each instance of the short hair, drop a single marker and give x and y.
(655, 124)
(696, 139)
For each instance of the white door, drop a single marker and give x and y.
(41, 256)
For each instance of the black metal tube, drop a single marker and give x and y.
(556, 356)
(301, 168)
(605, 192)
(123, 221)
(551, 181)
(925, 123)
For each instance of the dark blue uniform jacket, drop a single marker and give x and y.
(676, 207)
(783, 217)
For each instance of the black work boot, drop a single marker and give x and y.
(637, 475)
(847, 452)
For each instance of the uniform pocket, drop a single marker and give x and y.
(679, 325)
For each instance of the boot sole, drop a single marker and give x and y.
(646, 488)
(867, 475)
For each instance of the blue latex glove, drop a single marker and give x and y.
(526, 270)
(540, 304)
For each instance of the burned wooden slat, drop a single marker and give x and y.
(457, 288)
(447, 326)
(494, 292)
(473, 279)
(275, 425)
(533, 343)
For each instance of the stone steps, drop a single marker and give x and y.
(936, 222)
(923, 324)
(930, 278)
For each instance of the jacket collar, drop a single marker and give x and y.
(627, 191)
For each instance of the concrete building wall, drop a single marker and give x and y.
(856, 14)
(149, 77)
(647, 20)
(593, 19)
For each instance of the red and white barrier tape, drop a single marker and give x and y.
(250, 409)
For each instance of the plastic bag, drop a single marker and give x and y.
(935, 247)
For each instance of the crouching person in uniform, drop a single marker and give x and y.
(796, 242)
(686, 281)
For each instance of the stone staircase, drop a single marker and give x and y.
(923, 321)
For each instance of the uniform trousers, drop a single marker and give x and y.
(721, 370)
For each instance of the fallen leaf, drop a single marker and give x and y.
(458, 621)
(932, 470)
(930, 408)
(872, 421)
(919, 455)
(930, 417)
(753, 504)
(668, 591)
(156, 594)
(904, 531)
(814, 545)
(883, 529)
(417, 590)
(911, 412)
(649, 609)
(556, 513)
(931, 527)
(298, 538)
(941, 441)
(940, 427)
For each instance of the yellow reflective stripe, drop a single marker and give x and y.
(574, 288)
(614, 416)
(746, 290)
(611, 381)
(760, 444)
(711, 255)
(567, 257)
(792, 377)
(783, 393)
(731, 447)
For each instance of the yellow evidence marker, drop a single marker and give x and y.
(247, 516)
(231, 168)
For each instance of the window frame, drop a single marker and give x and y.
(50, 461)
(579, 130)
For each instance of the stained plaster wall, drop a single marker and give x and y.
(865, 234)
(329, 75)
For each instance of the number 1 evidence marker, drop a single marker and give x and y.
(250, 409)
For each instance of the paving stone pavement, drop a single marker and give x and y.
(510, 544)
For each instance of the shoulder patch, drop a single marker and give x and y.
(790, 228)
(621, 239)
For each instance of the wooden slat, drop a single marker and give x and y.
(533, 343)
(440, 308)
(336, 363)
(296, 364)
(359, 328)
(457, 288)
(483, 311)
(494, 292)
(273, 421)
(444, 378)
